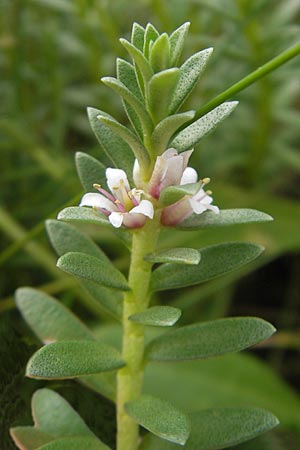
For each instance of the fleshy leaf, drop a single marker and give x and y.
(177, 39)
(135, 144)
(75, 443)
(172, 194)
(72, 359)
(115, 148)
(224, 218)
(165, 129)
(161, 87)
(159, 55)
(85, 266)
(49, 319)
(139, 60)
(191, 135)
(216, 260)
(159, 316)
(160, 417)
(190, 73)
(29, 438)
(175, 255)
(220, 428)
(66, 238)
(207, 339)
(151, 34)
(82, 214)
(110, 300)
(137, 36)
(90, 171)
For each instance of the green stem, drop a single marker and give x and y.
(130, 378)
(276, 62)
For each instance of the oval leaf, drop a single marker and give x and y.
(82, 214)
(159, 55)
(177, 39)
(224, 218)
(207, 339)
(71, 359)
(175, 255)
(160, 316)
(216, 260)
(160, 417)
(161, 88)
(49, 319)
(75, 443)
(29, 438)
(85, 266)
(137, 36)
(191, 135)
(172, 194)
(220, 428)
(90, 171)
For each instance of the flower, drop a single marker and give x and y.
(123, 205)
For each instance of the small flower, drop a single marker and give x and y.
(189, 204)
(123, 205)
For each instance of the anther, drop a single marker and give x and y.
(96, 186)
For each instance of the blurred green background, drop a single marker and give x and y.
(52, 55)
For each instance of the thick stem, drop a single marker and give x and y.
(130, 378)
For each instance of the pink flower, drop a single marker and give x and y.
(123, 205)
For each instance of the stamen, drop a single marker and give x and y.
(206, 180)
(104, 192)
(120, 206)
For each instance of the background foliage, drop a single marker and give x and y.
(53, 53)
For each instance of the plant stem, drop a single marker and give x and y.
(130, 378)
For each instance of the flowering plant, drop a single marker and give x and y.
(153, 157)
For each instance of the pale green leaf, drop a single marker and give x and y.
(49, 319)
(159, 316)
(160, 417)
(175, 255)
(84, 215)
(72, 359)
(85, 266)
(207, 339)
(224, 218)
(110, 300)
(191, 135)
(115, 148)
(65, 238)
(137, 36)
(151, 34)
(172, 194)
(160, 88)
(29, 438)
(220, 428)
(159, 55)
(216, 260)
(75, 443)
(165, 129)
(177, 40)
(90, 171)
(135, 144)
(139, 60)
(190, 73)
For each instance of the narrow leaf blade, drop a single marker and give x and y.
(82, 214)
(161, 88)
(159, 316)
(208, 339)
(160, 417)
(72, 359)
(175, 255)
(90, 171)
(159, 55)
(177, 39)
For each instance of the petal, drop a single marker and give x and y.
(98, 201)
(197, 207)
(114, 177)
(145, 208)
(137, 174)
(189, 176)
(214, 208)
(116, 219)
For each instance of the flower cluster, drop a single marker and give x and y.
(125, 206)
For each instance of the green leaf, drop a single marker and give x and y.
(135, 144)
(159, 55)
(216, 260)
(159, 316)
(75, 443)
(160, 417)
(191, 135)
(224, 218)
(172, 194)
(130, 98)
(90, 171)
(110, 300)
(66, 238)
(137, 36)
(161, 87)
(190, 73)
(139, 60)
(83, 214)
(207, 339)
(126, 74)
(151, 34)
(175, 255)
(220, 428)
(72, 359)
(165, 129)
(49, 319)
(29, 438)
(85, 266)
(177, 39)
(115, 148)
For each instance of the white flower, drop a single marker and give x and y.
(123, 206)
